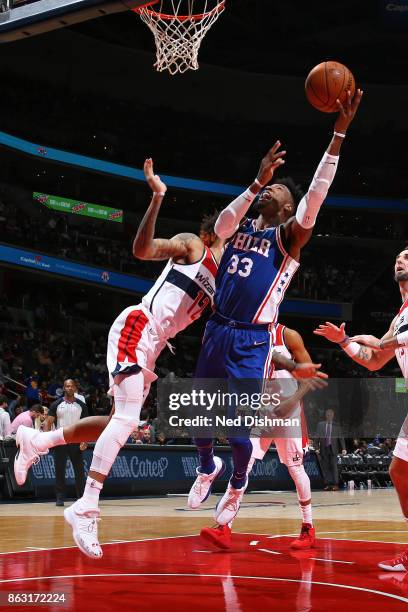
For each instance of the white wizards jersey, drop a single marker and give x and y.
(290, 386)
(279, 346)
(182, 293)
(401, 325)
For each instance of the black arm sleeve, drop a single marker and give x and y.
(84, 407)
(52, 411)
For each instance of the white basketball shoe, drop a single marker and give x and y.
(84, 529)
(201, 488)
(27, 454)
(228, 506)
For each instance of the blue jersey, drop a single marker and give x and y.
(254, 274)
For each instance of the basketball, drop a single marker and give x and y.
(328, 82)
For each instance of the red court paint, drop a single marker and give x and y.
(178, 574)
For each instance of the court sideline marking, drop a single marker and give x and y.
(298, 581)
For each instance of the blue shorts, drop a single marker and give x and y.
(240, 353)
(235, 350)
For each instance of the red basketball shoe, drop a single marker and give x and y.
(219, 536)
(306, 539)
(399, 564)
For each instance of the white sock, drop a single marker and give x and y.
(306, 513)
(49, 439)
(90, 498)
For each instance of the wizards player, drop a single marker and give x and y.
(258, 263)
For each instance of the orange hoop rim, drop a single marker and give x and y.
(181, 18)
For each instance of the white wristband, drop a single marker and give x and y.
(159, 193)
(248, 195)
(258, 183)
(351, 349)
(339, 134)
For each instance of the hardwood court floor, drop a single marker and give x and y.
(152, 552)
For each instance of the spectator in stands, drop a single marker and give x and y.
(45, 398)
(146, 437)
(27, 418)
(40, 423)
(18, 402)
(65, 411)
(388, 445)
(32, 391)
(359, 446)
(160, 438)
(330, 443)
(4, 418)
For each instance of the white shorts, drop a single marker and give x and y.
(134, 344)
(290, 450)
(401, 448)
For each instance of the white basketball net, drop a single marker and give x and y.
(178, 28)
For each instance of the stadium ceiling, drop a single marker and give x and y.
(24, 19)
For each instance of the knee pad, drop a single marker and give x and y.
(302, 482)
(123, 425)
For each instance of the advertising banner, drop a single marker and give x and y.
(76, 207)
(170, 469)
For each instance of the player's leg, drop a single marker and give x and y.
(129, 394)
(246, 364)
(32, 443)
(399, 477)
(290, 453)
(209, 366)
(221, 535)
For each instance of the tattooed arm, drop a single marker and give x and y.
(184, 248)
(355, 347)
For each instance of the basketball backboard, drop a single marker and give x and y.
(24, 18)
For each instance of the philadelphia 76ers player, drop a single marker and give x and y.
(259, 261)
(291, 442)
(184, 290)
(373, 354)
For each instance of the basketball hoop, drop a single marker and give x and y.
(178, 31)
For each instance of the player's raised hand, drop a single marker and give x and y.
(347, 111)
(272, 160)
(154, 181)
(308, 370)
(331, 332)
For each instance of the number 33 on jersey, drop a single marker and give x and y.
(254, 273)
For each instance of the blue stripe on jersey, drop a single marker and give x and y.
(247, 270)
(183, 282)
(188, 285)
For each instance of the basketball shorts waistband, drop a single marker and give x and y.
(219, 318)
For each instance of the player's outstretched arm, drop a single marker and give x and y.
(145, 246)
(298, 370)
(359, 348)
(299, 229)
(230, 218)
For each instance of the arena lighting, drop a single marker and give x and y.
(22, 21)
